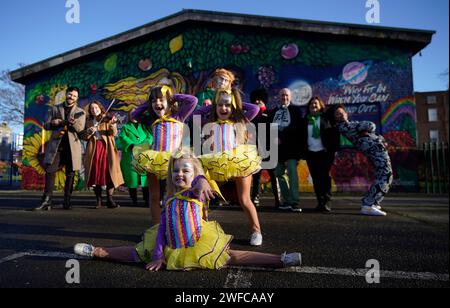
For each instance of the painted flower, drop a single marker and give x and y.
(33, 155)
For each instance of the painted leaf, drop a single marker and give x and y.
(111, 63)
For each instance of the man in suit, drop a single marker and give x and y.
(65, 121)
(288, 118)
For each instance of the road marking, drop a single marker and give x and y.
(239, 276)
(40, 253)
(13, 257)
(352, 272)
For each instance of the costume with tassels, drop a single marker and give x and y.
(167, 136)
(183, 238)
(230, 157)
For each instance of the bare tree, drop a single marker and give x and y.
(444, 76)
(12, 98)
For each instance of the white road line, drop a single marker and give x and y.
(242, 278)
(54, 254)
(40, 253)
(13, 257)
(352, 272)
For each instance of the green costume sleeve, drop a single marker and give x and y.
(124, 141)
(204, 95)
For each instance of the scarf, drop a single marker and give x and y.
(313, 120)
(282, 118)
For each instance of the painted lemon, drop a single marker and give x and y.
(176, 44)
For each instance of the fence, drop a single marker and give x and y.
(10, 176)
(436, 175)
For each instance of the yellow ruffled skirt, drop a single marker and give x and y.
(210, 251)
(242, 161)
(150, 161)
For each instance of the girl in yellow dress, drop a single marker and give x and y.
(165, 113)
(230, 157)
(184, 240)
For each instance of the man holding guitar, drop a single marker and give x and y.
(65, 120)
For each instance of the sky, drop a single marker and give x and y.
(31, 31)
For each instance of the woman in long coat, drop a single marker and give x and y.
(101, 163)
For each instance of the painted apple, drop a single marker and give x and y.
(145, 65)
(289, 51)
(93, 88)
(40, 99)
(236, 49)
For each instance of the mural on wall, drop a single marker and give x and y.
(373, 81)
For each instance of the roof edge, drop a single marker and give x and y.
(421, 37)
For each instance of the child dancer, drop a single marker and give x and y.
(184, 240)
(164, 113)
(365, 139)
(231, 157)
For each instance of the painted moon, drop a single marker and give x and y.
(301, 93)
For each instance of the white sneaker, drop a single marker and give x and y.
(256, 239)
(291, 259)
(372, 211)
(84, 250)
(378, 207)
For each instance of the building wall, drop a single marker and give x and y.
(432, 100)
(374, 81)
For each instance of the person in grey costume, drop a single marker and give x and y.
(364, 137)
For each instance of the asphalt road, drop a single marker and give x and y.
(411, 244)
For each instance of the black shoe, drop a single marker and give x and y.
(284, 207)
(111, 204)
(324, 204)
(46, 204)
(295, 208)
(323, 208)
(67, 205)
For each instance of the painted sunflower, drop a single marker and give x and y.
(33, 156)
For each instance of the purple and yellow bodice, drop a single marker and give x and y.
(167, 134)
(224, 136)
(183, 222)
